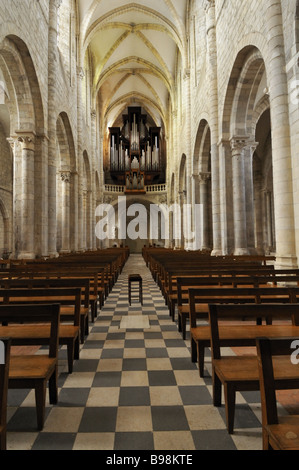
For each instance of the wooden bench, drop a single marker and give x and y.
(67, 283)
(240, 372)
(96, 289)
(185, 283)
(279, 432)
(168, 285)
(199, 300)
(5, 346)
(35, 371)
(69, 330)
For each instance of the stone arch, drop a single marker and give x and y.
(202, 193)
(26, 105)
(245, 102)
(202, 149)
(263, 186)
(24, 128)
(65, 185)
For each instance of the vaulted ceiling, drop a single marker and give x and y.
(134, 50)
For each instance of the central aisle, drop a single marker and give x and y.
(135, 389)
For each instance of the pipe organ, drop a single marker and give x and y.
(135, 152)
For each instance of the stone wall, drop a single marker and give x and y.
(241, 63)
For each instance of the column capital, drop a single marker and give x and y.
(80, 73)
(12, 142)
(26, 139)
(238, 143)
(208, 4)
(65, 176)
(56, 3)
(204, 177)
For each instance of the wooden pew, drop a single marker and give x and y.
(4, 371)
(181, 298)
(27, 371)
(69, 329)
(97, 282)
(279, 432)
(240, 372)
(169, 285)
(200, 299)
(59, 282)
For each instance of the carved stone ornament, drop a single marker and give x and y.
(65, 176)
(26, 140)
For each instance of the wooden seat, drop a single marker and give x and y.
(69, 330)
(135, 278)
(200, 298)
(240, 373)
(35, 371)
(5, 346)
(279, 432)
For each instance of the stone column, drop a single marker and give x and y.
(249, 192)
(212, 71)
(74, 211)
(53, 61)
(93, 185)
(239, 198)
(204, 178)
(65, 216)
(258, 213)
(89, 212)
(281, 148)
(225, 196)
(84, 220)
(27, 141)
(81, 228)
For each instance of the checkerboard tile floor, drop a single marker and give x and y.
(133, 388)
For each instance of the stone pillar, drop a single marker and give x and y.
(65, 216)
(225, 196)
(27, 196)
(204, 178)
(74, 211)
(89, 212)
(53, 62)
(239, 198)
(84, 220)
(212, 71)
(258, 213)
(249, 192)
(93, 183)
(281, 148)
(81, 228)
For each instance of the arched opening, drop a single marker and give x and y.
(263, 187)
(182, 202)
(21, 164)
(202, 191)
(245, 132)
(65, 187)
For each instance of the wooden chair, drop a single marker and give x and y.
(135, 278)
(35, 371)
(240, 373)
(69, 329)
(200, 298)
(279, 432)
(5, 346)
